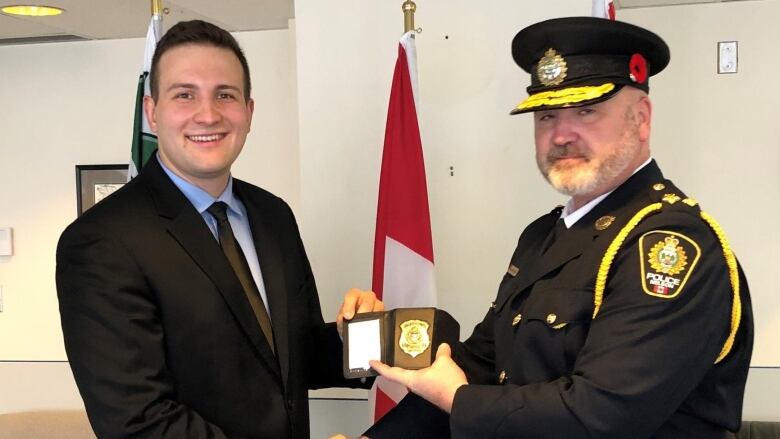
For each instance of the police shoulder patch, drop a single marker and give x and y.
(667, 261)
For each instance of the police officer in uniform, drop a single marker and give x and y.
(623, 314)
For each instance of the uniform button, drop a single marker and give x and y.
(659, 186)
(502, 377)
(492, 305)
(551, 318)
(517, 319)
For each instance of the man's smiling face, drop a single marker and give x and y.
(200, 116)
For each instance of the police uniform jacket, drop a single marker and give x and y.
(540, 365)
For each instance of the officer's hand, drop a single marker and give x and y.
(357, 301)
(437, 383)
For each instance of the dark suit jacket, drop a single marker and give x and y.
(159, 333)
(541, 366)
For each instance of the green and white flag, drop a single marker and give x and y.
(144, 141)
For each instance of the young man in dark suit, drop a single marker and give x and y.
(623, 314)
(188, 305)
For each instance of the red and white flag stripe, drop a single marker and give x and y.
(403, 249)
(604, 9)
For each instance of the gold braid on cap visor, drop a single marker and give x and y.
(564, 96)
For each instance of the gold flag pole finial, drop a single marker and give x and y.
(408, 7)
(157, 8)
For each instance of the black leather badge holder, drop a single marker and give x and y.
(403, 337)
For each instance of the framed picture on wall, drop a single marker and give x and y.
(96, 182)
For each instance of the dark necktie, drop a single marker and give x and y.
(555, 234)
(237, 260)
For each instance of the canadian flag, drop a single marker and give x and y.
(403, 249)
(604, 9)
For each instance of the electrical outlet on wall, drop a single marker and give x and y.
(727, 57)
(6, 241)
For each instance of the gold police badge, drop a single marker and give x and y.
(665, 262)
(414, 338)
(551, 69)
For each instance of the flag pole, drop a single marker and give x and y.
(157, 11)
(403, 274)
(144, 140)
(156, 8)
(409, 7)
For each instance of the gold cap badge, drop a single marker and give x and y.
(414, 337)
(551, 69)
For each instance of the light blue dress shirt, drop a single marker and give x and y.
(237, 216)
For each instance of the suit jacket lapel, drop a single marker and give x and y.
(190, 231)
(271, 265)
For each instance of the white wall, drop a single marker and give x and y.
(72, 103)
(323, 86)
(715, 135)
(712, 135)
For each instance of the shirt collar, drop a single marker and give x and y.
(570, 218)
(201, 199)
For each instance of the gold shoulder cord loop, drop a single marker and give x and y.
(736, 303)
(731, 262)
(609, 255)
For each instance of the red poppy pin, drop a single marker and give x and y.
(638, 68)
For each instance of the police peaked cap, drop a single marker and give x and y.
(578, 61)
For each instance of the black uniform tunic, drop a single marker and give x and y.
(540, 365)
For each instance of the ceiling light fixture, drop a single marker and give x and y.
(32, 10)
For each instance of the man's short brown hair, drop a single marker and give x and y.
(196, 32)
